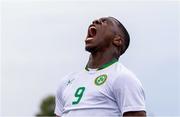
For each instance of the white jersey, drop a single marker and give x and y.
(110, 91)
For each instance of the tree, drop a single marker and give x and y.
(47, 107)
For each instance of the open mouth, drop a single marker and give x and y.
(91, 32)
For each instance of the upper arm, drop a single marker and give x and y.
(129, 94)
(135, 113)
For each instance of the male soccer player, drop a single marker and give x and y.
(105, 88)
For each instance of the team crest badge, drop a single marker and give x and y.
(100, 79)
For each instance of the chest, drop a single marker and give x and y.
(87, 90)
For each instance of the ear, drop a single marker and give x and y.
(117, 41)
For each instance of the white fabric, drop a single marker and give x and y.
(121, 92)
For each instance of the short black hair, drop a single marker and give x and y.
(125, 35)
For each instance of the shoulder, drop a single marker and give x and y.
(125, 77)
(64, 80)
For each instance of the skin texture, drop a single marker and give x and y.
(104, 46)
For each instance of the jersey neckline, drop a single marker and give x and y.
(114, 60)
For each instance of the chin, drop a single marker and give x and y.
(90, 49)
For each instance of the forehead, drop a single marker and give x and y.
(110, 20)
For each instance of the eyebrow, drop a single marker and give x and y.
(107, 19)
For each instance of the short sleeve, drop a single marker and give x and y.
(58, 102)
(129, 93)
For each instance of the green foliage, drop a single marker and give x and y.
(47, 107)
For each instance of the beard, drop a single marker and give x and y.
(91, 49)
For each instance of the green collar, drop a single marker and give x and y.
(105, 65)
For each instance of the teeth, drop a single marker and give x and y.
(89, 39)
(92, 26)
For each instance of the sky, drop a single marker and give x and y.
(42, 41)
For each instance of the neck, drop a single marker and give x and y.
(97, 59)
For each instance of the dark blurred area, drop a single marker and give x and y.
(47, 106)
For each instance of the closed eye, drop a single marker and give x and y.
(103, 20)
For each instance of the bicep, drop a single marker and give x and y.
(135, 114)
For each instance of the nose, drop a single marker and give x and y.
(96, 22)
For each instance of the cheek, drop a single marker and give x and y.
(104, 38)
(107, 37)
(103, 42)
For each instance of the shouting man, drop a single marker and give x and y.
(105, 88)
